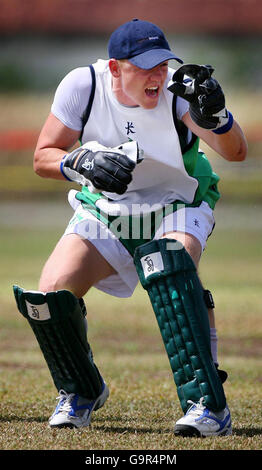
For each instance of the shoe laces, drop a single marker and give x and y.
(196, 408)
(67, 400)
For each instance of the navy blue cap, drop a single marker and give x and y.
(142, 43)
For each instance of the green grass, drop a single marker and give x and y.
(143, 405)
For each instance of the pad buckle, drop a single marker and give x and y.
(208, 299)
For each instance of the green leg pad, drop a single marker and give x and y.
(57, 320)
(169, 275)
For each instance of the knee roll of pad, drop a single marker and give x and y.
(57, 320)
(168, 273)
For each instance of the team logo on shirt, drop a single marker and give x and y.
(129, 128)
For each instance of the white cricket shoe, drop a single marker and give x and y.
(200, 421)
(74, 411)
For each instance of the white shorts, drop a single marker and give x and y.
(197, 221)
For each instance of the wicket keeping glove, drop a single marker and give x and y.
(205, 96)
(102, 168)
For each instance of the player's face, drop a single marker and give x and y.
(139, 87)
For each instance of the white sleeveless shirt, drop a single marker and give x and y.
(161, 177)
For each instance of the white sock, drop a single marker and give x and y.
(213, 339)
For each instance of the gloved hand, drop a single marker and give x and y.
(102, 168)
(205, 95)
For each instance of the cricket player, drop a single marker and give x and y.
(126, 132)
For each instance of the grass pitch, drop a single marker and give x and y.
(143, 406)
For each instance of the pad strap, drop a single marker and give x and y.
(208, 299)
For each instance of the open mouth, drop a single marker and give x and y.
(152, 91)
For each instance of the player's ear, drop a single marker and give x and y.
(114, 68)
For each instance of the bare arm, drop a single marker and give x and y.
(54, 141)
(231, 145)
